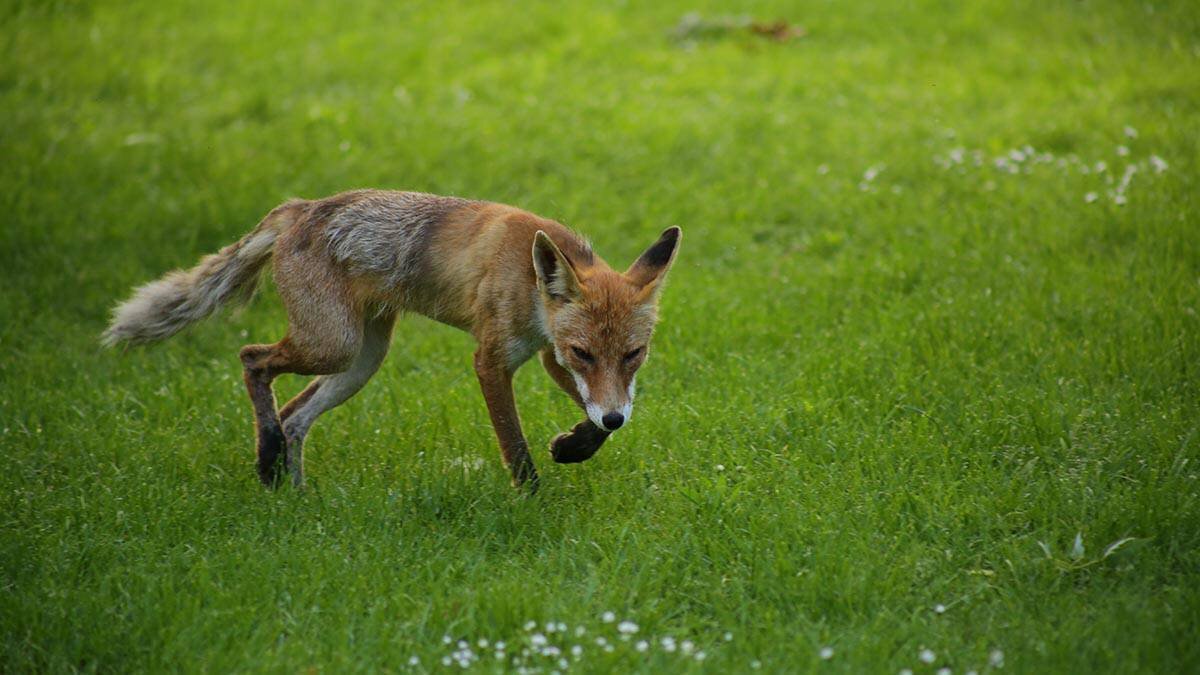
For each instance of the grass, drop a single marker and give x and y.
(949, 384)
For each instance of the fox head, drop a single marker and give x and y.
(600, 321)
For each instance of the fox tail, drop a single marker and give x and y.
(162, 308)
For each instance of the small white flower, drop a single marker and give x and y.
(1016, 156)
(728, 636)
(482, 644)
(720, 467)
(537, 640)
(608, 617)
(668, 644)
(972, 672)
(1130, 132)
(627, 627)
(577, 651)
(564, 664)
(445, 660)
(687, 646)
(826, 653)
(1101, 166)
(823, 169)
(700, 656)
(1090, 197)
(642, 645)
(996, 658)
(1159, 164)
(1119, 199)
(601, 641)
(756, 664)
(500, 645)
(943, 671)
(530, 625)
(927, 656)
(412, 661)
(446, 639)
(462, 644)
(939, 608)
(579, 631)
(906, 671)
(608, 648)
(1122, 151)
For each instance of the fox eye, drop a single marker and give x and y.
(634, 354)
(582, 355)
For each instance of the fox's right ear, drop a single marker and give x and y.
(555, 275)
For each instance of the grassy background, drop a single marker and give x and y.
(868, 397)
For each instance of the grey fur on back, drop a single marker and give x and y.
(385, 234)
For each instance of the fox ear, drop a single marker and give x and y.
(649, 270)
(555, 275)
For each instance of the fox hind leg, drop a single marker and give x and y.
(329, 391)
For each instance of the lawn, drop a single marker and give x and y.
(924, 393)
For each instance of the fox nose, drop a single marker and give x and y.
(613, 421)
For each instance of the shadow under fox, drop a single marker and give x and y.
(347, 265)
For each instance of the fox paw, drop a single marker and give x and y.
(578, 444)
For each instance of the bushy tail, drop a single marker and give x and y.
(164, 307)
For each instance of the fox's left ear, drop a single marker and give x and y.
(651, 267)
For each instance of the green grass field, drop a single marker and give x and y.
(931, 341)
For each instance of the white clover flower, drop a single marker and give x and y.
(823, 169)
(482, 644)
(939, 608)
(728, 636)
(1122, 151)
(1090, 197)
(687, 646)
(668, 644)
(1159, 164)
(446, 661)
(579, 631)
(1101, 166)
(537, 640)
(564, 664)
(608, 649)
(500, 645)
(720, 467)
(700, 656)
(1016, 156)
(627, 627)
(576, 651)
(927, 656)
(1130, 132)
(906, 671)
(943, 671)
(601, 641)
(756, 664)
(530, 625)
(826, 653)
(642, 645)
(462, 644)
(996, 658)
(1119, 199)
(608, 617)
(446, 639)
(413, 661)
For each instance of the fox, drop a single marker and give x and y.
(347, 266)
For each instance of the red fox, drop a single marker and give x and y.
(347, 265)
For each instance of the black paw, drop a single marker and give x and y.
(578, 444)
(272, 453)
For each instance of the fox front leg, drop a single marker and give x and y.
(495, 379)
(585, 438)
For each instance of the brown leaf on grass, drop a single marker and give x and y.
(692, 27)
(779, 30)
